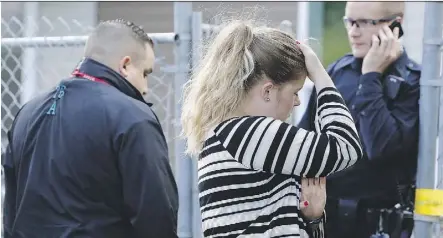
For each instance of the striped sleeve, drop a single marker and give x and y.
(266, 144)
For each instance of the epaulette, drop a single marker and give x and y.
(344, 61)
(412, 65)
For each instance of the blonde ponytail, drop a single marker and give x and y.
(238, 58)
(217, 87)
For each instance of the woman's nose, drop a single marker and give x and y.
(296, 102)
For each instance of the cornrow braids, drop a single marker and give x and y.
(137, 30)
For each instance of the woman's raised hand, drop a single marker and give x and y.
(316, 71)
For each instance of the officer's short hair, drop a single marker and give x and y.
(138, 32)
(117, 38)
(393, 8)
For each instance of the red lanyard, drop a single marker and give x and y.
(79, 74)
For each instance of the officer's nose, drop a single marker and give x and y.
(354, 31)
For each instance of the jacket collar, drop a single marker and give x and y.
(101, 71)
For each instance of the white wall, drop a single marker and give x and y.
(413, 28)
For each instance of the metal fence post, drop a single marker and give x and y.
(29, 76)
(429, 107)
(303, 32)
(197, 34)
(182, 51)
(286, 26)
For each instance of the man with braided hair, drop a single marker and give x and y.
(89, 158)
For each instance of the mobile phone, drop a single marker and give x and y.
(395, 24)
(392, 26)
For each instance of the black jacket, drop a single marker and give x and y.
(89, 159)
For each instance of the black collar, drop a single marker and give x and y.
(96, 69)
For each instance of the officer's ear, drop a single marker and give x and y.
(399, 19)
(123, 66)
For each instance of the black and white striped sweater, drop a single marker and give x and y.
(250, 168)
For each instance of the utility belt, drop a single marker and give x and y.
(383, 218)
(393, 222)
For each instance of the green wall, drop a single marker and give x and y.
(335, 41)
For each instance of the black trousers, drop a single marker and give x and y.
(361, 224)
(341, 226)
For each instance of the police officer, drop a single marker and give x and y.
(89, 158)
(380, 85)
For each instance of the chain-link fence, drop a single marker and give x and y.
(33, 60)
(31, 69)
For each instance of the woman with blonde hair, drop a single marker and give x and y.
(250, 162)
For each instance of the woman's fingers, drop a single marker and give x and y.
(304, 48)
(323, 182)
(304, 183)
(315, 181)
(309, 182)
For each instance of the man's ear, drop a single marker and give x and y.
(123, 64)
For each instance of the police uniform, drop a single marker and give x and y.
(385, 108)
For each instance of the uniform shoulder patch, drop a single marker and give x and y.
(412, 65)
(344, 61)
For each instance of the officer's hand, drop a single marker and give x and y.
(316, 71)
(383, 52)
(313, 197)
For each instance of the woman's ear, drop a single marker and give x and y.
(266, 91)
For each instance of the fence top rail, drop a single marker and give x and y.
(51, 41)
(207, 27)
